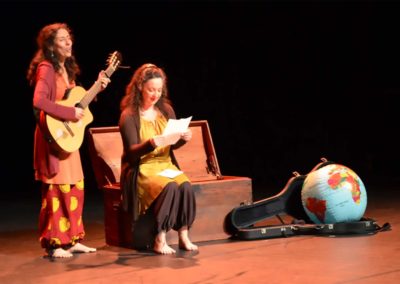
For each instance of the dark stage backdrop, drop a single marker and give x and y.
(281, 83)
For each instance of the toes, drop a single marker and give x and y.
(78, 247)
(60, 253)
(164, 249)
(187, 245)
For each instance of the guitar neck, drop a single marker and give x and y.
(115, 60)
(90, 94)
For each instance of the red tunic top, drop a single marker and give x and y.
(49, 166)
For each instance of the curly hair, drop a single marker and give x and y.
(45, 43)
(133, 94)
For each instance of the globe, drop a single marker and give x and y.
(333, 194)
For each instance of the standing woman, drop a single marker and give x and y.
(52, 72)
(145, 110)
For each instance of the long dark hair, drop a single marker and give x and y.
(133, 95)
(45, 42)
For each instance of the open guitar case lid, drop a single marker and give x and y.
(241, 222)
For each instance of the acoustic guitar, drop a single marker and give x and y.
(67, 136)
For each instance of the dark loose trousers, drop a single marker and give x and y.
(174, 207)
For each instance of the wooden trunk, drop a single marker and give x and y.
(216, 195)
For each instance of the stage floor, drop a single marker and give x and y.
(305, 259)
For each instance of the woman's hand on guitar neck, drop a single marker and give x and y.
(103, 79)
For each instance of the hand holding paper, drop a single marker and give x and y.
(173, 132)
(165, 140)
(187, 135)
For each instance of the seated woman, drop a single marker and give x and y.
(145, 110)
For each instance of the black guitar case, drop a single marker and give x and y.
(240, 223)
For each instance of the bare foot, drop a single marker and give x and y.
(78, 247)
(59, 253)
(184, 241)
(160, 244)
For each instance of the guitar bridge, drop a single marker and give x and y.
(68, 129)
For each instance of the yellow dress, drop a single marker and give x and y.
(149, 183)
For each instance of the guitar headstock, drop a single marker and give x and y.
(114, 61)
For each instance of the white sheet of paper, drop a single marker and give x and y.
(170, 173)
(177, 125)
(171, 138)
